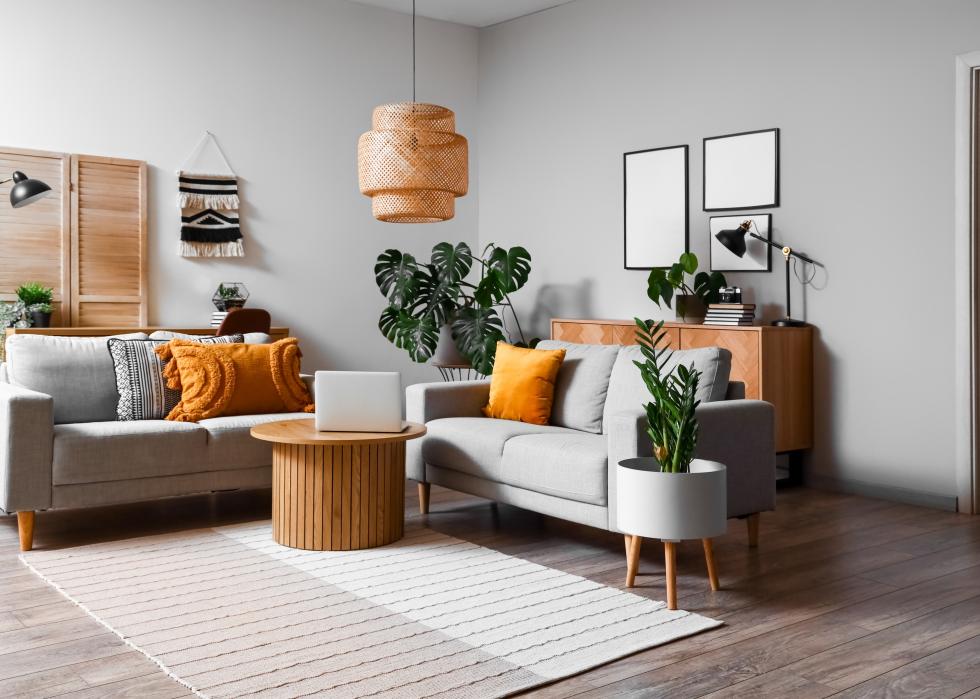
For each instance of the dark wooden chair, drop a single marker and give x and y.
(246, 320)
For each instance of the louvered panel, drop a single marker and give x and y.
(34, 239)
(109, 240)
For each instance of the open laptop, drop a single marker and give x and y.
(358, 401)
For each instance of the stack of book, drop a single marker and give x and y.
(730, 314)
(217, 317)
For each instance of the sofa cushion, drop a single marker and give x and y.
(522, 386)
(628, 393)
(231, 446)
(76, 371)
(583, 379)
(475, 445)
(94, 452)
(570, 466)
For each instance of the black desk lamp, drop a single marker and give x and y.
(25, 190)
(734, 240)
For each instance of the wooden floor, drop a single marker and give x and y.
(845, 596)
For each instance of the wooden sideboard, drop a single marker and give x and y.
(775, 364)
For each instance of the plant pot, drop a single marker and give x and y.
(690, 308)
(447, 354)
(40, 319)
(671, 506)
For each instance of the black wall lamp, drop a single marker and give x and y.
(734, 240)
(25, 190)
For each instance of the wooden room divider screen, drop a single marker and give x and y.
(86, 240)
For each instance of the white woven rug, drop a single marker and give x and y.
(230, 613)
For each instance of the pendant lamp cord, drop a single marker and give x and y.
(413, 50)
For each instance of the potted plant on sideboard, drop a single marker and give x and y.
(669, 495)
(433, 304)
(691, 299)
(37, 300)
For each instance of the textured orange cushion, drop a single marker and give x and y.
(522, 386)
(234, 379)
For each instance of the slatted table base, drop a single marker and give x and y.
(338, 498)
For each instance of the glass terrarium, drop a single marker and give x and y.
(229, 295)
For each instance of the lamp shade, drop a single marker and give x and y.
(412, 163)
(25, 190)
(733, 239)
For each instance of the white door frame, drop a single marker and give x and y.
(967, 285)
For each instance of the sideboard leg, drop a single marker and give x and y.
(424, 489)
(670, 563)
(633, 559)
(709, 559)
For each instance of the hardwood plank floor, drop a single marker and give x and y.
(845, 595)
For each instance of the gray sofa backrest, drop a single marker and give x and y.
(583, 379)
(76, 371)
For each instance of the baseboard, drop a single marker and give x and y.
(883, 492)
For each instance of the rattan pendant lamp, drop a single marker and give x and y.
(412, 163)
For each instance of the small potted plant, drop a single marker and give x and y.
(37, 300)
(669, 495)
(229, 295)
(692, 299)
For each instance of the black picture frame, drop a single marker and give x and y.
(687, 204)
(748, 206)
(736, 220)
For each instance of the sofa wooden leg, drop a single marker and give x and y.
(633, 559)
(25, 527)
(752, 522)
(709, 559)
(424, 489)
(670, 564)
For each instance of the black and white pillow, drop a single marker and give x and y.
(143, 393)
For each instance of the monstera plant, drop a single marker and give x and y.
(424, 296)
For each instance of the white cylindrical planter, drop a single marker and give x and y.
(671, 506)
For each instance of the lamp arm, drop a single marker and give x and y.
(9, 179)
(780, 246)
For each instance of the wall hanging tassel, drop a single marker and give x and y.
(209, 209)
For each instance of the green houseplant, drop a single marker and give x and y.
(692, 299)
(37, 300)
(425, 296)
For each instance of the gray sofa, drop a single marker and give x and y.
(566, 469)
(62, 447)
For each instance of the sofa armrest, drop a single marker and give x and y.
(26, 442)
(737, 433)
(431, 401)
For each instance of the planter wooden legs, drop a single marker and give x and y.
(424, 489)
(752, 522)
(25, 528)
(632, 544)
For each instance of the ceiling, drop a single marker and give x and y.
(475, 13)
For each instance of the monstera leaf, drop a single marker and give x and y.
(707, 286)
(452, 263)
(395, 274)
(511, 267)
(476, 332)
(416, 335)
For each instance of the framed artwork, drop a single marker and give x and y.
(741, 171)
(655, 207)
(758, 255)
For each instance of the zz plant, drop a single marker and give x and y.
(424, 296)
(671, 422)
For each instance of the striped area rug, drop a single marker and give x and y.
(227, 612)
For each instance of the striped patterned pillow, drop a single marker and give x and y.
(143, 393)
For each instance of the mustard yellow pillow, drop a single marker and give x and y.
(234, 379)
(522, 386)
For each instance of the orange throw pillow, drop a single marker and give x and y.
(522, 386)
(234, 379)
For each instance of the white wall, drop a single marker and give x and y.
(287, 87)
(863, 94)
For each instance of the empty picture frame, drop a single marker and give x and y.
(758, 255)
(741, 171)
(655, 202)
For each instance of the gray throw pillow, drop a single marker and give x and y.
(143, 392)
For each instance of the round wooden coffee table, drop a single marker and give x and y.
(336, 491)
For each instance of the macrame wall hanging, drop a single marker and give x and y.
(208, 201)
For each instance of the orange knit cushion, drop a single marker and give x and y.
(234, 379)
(522, 386)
